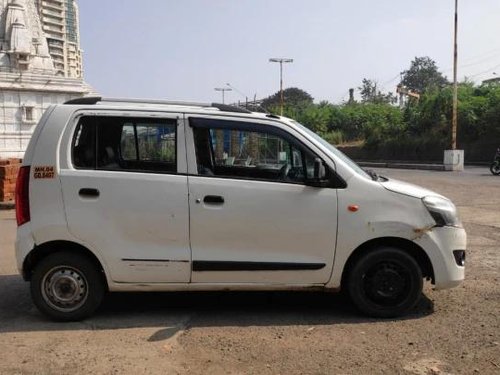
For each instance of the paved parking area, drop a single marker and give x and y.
(450, 332)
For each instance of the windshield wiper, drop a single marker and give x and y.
(375, 176)
(372, 174)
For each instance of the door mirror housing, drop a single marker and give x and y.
(319, 178)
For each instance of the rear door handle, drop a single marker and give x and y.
(88, 193)
(213, 199)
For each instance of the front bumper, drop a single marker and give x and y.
(440, 243)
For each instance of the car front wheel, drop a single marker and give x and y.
(385, 282)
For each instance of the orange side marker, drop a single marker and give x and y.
(353, 207)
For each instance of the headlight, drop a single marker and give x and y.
(442, 211)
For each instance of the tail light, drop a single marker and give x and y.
(22, 196)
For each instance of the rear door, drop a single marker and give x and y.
(125, 193)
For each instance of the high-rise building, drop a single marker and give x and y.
(59, 19)
(40, 65)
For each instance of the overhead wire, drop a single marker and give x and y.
(485, 71)
(494, 51)
(474, 63)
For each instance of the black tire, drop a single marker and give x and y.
(67, 286)
(495, 168)
(385, 283)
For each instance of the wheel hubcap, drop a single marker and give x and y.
(64, 288)
(387, 283)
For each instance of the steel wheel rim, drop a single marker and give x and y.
(387, 283)
(65, 288)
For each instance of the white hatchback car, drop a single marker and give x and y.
(129, 195)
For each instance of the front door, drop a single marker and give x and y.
(125, 195)
(253, 216)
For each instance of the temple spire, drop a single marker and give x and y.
(21, 47)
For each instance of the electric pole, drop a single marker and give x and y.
(281, 61)
(454, 119)
(454, 159)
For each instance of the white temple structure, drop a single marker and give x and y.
(40, 65)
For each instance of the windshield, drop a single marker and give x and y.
(334, 150)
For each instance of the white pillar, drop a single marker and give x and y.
(454, 160)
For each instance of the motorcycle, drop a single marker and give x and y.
(495, 166)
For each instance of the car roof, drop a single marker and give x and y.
(181, 106)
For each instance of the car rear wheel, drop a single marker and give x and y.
(66, 286)
(385, 283)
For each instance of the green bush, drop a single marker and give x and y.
(335, 137)
(419, 131)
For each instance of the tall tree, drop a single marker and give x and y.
(368, 90)
(293, 96)
(423, 75)
(370, 94)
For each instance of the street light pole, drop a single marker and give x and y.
(454, 119)
(281, 61)
(223, 90)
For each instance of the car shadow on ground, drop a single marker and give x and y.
(175, 311)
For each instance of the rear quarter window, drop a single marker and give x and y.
(132, 144)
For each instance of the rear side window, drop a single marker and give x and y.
(118, 143)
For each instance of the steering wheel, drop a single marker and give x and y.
(285, 169)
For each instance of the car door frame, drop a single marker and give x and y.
(280, 127)
(182, 266)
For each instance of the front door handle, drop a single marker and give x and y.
(213, 199)
(88, 193)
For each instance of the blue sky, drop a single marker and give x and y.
(182, 49)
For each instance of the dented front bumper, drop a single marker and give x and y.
(440, 243)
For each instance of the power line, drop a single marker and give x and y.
(391, 80)
(494, 51)
(238, 91)
(475, 63)
(486, 71)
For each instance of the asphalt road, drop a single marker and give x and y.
(451, 331)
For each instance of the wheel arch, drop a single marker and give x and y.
(410, 247)
(39, 252)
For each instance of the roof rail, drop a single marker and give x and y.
(229, 108)
(84, 100)
(97, 99)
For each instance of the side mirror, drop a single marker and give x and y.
(319, 170)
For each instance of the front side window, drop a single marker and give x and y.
(117, 143)
(247, 154)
